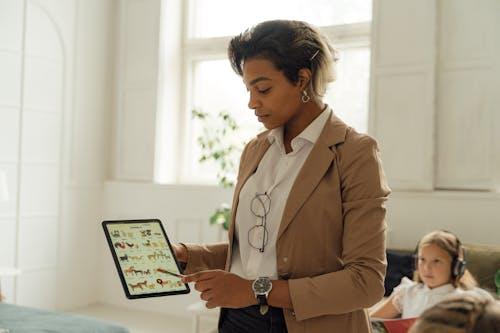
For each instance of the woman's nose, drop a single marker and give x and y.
(253, 103)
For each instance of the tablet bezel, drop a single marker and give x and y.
(117, 262)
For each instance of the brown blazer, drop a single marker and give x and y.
(331, 241)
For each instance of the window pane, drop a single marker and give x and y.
(348, 95)
(217, 88)
(229, 17)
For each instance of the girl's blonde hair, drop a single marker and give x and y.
(450, 243)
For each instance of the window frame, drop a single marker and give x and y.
(196, 49)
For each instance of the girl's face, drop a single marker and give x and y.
(274, 99)
(434, 265)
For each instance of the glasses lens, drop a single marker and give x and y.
(260, 205)
(257, 236)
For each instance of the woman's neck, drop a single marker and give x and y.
(304, 117)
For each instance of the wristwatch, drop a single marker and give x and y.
(261, 288)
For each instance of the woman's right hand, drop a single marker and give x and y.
(180, 252)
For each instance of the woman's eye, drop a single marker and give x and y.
(264, 91)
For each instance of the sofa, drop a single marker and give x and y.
(482, 261)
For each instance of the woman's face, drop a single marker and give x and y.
(273, 98)
(434, 265)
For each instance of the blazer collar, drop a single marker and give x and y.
(313, 170)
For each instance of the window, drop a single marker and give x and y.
(211, 86)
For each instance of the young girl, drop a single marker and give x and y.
(440, 273)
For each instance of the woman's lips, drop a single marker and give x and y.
(262, 117)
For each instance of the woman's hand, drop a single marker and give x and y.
(180, 252)
(222, 289)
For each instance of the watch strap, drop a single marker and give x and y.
(262, 299)
(264, 307)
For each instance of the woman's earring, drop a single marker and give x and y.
(305, 97)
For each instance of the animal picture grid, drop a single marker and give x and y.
(141, 250)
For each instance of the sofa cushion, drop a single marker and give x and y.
(399, 265)
(483, 262)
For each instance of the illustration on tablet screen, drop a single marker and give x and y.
(144, 258)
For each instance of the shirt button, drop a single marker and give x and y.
(293, 313)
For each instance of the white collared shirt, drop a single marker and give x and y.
(412, 298)
(275, 175)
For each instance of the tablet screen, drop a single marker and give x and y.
(142, 255)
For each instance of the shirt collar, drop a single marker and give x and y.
(276, 135)
(311, 133)
(444, 289)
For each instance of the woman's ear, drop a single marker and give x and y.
(304, 78)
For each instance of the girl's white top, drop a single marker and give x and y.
(412, 298)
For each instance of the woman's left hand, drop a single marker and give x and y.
(222, 289)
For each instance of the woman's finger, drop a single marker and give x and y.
(199, 276)
(202, 286)
(206, 296)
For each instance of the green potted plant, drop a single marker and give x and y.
(219, 145)
(497, 281)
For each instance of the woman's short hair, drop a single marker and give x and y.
(290, 46)
(469, 313)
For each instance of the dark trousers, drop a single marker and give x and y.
(249, 320)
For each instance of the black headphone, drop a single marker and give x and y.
(458, 263)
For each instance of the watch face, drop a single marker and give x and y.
(262, 285)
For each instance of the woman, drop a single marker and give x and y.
(306, 250)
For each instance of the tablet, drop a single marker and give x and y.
(144, 258)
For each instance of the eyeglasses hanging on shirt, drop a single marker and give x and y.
(258, 234)
(260, 206)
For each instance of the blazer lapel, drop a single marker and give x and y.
(313, 170)
(253, 156)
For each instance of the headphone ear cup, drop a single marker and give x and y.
(458, 268)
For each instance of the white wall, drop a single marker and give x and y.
(136, 80)
(55, 104)
(474, 217)
(435, 100)
(435, 93)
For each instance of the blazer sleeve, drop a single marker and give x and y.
(360, 283)
(205, 256)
